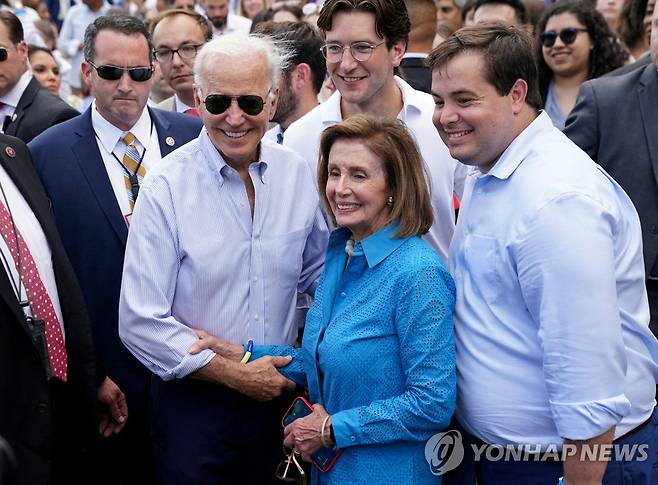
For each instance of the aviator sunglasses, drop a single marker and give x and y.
(114, 73)
(249, 103)
(3, 54)
(567, 36)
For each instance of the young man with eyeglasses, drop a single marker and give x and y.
(365, 42)
(92, 168)
(26, 108)
(227, 231)
(177, 37)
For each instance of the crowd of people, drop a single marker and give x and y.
(210, 209)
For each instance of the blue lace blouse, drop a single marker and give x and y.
(378, 354)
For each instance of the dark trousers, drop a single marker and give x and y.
(642, 470)
(205, 433)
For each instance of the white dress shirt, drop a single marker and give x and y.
(234, 24)
(180, 106)
(551, 319)
(10, 100)
(303, 136)
(195, 258)
(28, 226)
(108, 138)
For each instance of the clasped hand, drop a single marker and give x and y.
(303, 434)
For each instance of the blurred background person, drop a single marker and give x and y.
(384, 297)
(509, 12)
(468, 11)
(574, 44)
(611, 11)
(287, 13)
(422, 15)
(44, 68)
(249, 8)
(222, 20)
(631, 28)
(177, 37)
(448, 12)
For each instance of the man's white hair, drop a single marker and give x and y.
(237, 47)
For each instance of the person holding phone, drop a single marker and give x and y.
(378, 352)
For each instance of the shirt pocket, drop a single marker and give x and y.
(483, 262)
(289, 257)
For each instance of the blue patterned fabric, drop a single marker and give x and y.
(378, 354)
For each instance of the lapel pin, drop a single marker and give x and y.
(170, 141)
(13, 117)
(10, 152)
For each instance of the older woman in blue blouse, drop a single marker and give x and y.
(378, 354)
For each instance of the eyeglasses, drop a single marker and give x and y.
(187, 51)
(567, 36)
(361, 51)
(4, 53)
(289, 473)
(249, 103)
(113, 73)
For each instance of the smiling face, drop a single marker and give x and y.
(234, 133)
(46, 71)
(120, 102)
(362, 83)
(567, 60)
(472, 118)
(252, 7)
(357, 189)
(172, 33)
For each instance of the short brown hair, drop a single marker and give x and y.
(507, 53)
(405, 172)
(203, 22)
(13, 25)
(391, 17)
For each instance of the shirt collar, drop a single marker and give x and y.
(219, 165)
(411, 102)
(14, 96)
(376, 247)
(110, 135)
(520, 147)
(180, 106)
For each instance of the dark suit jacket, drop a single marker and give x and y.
(615, 121)
(37, 110)
(25, 397)
(641, 62)
(417, 74)
(93, 228)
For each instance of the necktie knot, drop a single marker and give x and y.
(129, 138)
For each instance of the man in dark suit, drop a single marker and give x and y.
(615, 121)
(49, 424)
(26, 108)
(422, 15)
(91, 167)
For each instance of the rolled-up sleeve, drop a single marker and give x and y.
(150, 272)
(566, 268)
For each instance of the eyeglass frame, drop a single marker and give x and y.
(291, 457)
(371, 49)
(171, 53)
(129, 70)
(554, 35)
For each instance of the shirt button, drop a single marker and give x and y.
(255, 278)
(353, 438)
(256, 316)
(343, 294)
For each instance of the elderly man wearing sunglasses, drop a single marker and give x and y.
(93, 167)
(227, 230)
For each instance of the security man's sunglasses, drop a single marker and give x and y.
(114, 73)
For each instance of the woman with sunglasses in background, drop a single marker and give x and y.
(575, 44)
